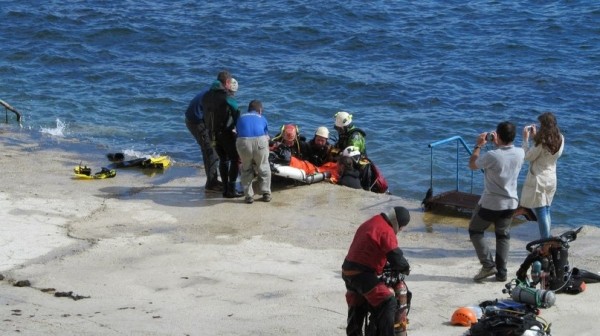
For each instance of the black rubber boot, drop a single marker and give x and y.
(231, 192)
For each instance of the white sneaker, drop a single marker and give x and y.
(485, 272)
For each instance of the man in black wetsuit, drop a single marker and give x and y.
(220, 116)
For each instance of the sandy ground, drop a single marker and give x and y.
(153, 254)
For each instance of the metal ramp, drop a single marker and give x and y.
(7, 108)
(455, 200)
(459, 201)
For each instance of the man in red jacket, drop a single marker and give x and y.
(374, 245)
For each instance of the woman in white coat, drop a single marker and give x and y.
(540, 184)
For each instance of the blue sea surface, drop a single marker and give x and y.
(119, 74)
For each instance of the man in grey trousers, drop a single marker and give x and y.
(499, 199)
(253, 147)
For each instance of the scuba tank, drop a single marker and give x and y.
(536, 270)
(532, 296)
(561, 272)
(403, 297)
(316, 177)
(523, 293)
(401, 318)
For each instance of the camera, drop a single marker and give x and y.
(529, 128)
(489, 136)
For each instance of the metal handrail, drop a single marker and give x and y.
(459, 141)
(12, 109)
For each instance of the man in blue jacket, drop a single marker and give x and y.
(194, 120)
(253, 147)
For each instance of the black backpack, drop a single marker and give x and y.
(508, 318)
(553, 255)
(506, 324)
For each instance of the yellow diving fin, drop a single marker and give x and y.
(86, 173)
(160, 162)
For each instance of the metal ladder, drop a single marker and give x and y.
(463, 202)
(7, 108)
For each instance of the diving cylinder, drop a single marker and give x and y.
(536, 269)
(560, 258)
(400, 318)
(317, 177)
(535, 297)
(544, 284)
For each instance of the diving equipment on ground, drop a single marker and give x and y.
(159, 162)
(508, 317)
(548, 260)
(536, 297)
(86, 173)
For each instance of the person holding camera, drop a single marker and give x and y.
(501, 167)
(540, 183)
(374, 245)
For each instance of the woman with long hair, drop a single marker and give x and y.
(540, 184)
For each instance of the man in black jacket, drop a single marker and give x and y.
(220, 116)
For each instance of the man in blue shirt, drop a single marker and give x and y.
(253, 147)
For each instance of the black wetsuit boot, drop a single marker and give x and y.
(231, 192)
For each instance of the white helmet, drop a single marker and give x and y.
(343, 119)
(322, 131)
(233, 85)
(351, 151)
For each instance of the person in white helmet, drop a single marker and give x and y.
(318, 151)
(348, 134)
(348, 168)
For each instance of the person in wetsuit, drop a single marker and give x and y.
(374, 245)
(220, 116)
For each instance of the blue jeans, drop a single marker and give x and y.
(543, 219)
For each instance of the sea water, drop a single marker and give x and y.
(119, 74)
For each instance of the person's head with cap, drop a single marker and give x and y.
(321, 136)
(399, 218)
(343, 121)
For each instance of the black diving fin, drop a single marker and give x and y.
(584, 275)
(128, 163)
(115, 157)
(160, 162)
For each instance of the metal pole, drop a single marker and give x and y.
(431, 170)
(457, 147)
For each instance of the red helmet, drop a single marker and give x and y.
(463, 316)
